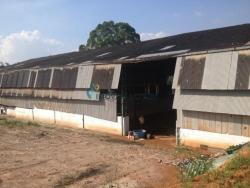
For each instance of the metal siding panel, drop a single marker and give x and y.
(103, 76)
(233, 102)
(73, 78)
(233, 70)
(216, 73)
(25, 81)
(32, 79)
(46, 78)
(243, 72)
(84, 76)
(116, 76)
(191, 72)
(1, 79)
(185, 119)
(56, 81)
(200, 121)
(20, 79)
(9, 80)
(14, 79)
(104, 109)
(176, 73)
(206, 122)
(194, 120)
(5, 79)
(246, 126)
(212, 122)
(218, 123)
(234, 126)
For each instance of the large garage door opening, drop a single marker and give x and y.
(147, 96)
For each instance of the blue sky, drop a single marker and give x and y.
(33, 28)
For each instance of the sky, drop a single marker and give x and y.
(35, 28)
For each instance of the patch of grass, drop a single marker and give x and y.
(16, 123)
(237, 163)
(71, 179)
(195, 167)
(186, 151)
(235, 173)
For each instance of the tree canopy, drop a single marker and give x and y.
(110, 34)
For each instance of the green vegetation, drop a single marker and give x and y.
(71, 179)
(186, 152)
(110, 34)
(16, 123)
(195, 167)
(235, 173)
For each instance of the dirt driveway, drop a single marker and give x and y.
(45, 156)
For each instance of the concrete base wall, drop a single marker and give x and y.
(120, 127)
(195, 138)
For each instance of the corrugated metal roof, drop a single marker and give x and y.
(212, 39)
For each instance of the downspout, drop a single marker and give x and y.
(122, 103)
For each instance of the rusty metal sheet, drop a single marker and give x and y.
(4, 80)
(243, 72)
(56, 81)
(64, 78)
(43, 78)
(9, 80)
(20, 79)
(25, 81)
(32, 79)
(103, 76)
(1, 79)
(14, 76)
(191, 73)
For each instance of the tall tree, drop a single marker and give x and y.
(110, 34)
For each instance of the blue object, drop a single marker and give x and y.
(139, 133)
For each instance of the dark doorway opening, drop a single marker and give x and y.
(147, 94)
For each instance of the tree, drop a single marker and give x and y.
(110, 34)
(82, 47)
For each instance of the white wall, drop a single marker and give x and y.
(195, 138)
(119, 127)
(71, 120)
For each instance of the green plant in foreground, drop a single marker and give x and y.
(235, 173)
(195, 167)
(15, 123)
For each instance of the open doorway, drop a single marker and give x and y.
(147, 96)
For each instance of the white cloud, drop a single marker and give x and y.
(198, 13)
(25, 45)
(148, 36)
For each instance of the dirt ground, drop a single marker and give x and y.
(47, 156)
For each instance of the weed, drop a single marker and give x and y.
(186, 151)
(237, 162)
(15, 123)
(234, 173)
(195, 167)
(71, 179)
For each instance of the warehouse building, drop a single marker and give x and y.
(193, 84)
